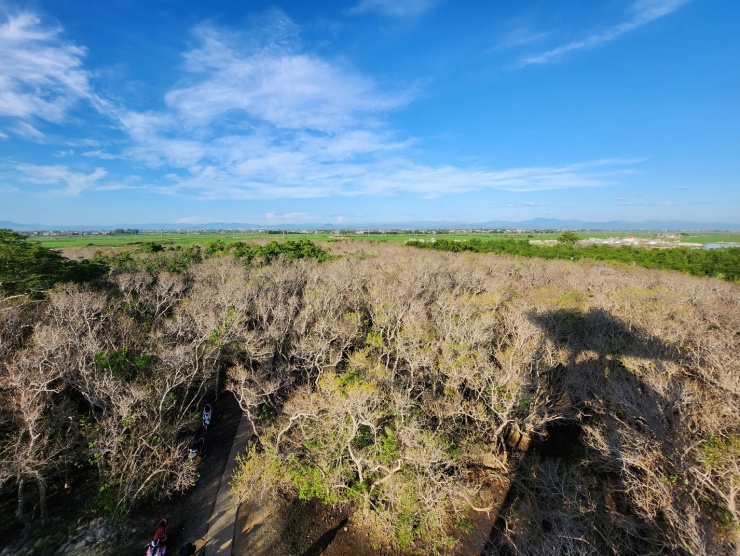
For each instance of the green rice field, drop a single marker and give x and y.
(203, 238)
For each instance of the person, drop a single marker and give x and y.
(207, 414)
(157, 545)
(196, 452)
(188, 549)
(160, 534)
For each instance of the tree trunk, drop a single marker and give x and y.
(21, 509)
(42, 499)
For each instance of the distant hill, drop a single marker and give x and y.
(534, 224)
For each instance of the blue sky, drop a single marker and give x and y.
(368, 111)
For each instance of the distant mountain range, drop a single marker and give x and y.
(534, 224)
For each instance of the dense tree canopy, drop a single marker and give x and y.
(401, 383)
(27, 267)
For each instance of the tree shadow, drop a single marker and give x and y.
(591, 390)
(309, 527)
(323, 542)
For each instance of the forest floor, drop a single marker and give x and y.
(283, 527)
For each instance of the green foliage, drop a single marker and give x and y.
(291, 250)
(311, 484)
(350, 378)
(464, 523)
(374, 339)
(571, 238)
(364, 437)
(218, 246)
(105, 503)
(265, 414)
(452, 446)
(151, 247)
(152, 258)
(120, 261)
(718, 452)
(721, 263)
(29, 267)
(387, 449)
(124, 363)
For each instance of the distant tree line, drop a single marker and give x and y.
(720, 263)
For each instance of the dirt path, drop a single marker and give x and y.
(193, 510)
(221, 525)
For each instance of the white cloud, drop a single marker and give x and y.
(394, 8)
(272, 85)
(521, 35)
(275, 179)
(41, 77)
(27, 131)
(255, 120)
(63, 180)
(641, 13)
(118, 187)
(101, 154)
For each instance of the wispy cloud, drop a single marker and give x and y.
(252, 117)
(640, 13)
(118, 187)
(273, 84)
(274, 179)
(41, 76)
(660, 203)
(267, 121)
(27, 131)
(529, 204)
(394, 8)
(62, 180)
(519, 36)
(101, 154)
